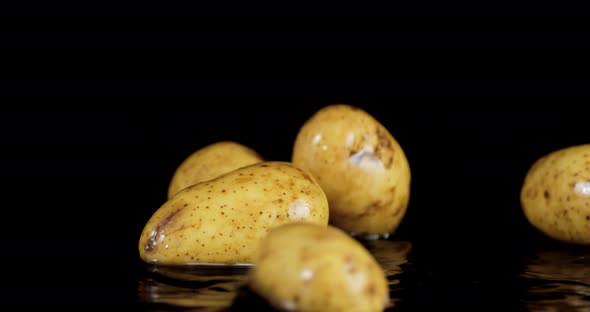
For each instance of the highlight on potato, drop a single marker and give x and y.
(221, 221)
(304, 267)
(360, 166)
(211, 161)
(555, 194)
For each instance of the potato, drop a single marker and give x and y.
(222, 220)
(555, 195)
(360, 166)
(210, 162)
(308, 267)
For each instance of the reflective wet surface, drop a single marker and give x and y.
(550, 279)
(202, 288)
(218, 288)
(557, 280)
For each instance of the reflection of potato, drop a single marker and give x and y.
(360, 166)
(555, 195)
(389, 254)
(309, 267)
(213, 287)
(561, 265)
(210, 162)
(218, 293)
(561, 281)
(222, 220)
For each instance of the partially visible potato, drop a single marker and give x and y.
(308, 267)
(210, 162)
(361, 167)
(555, 195)
(222, 220)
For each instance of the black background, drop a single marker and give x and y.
(78, 186)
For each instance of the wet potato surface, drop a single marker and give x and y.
(361, 167)
(309, 267)
(555, 195)
(222, 220)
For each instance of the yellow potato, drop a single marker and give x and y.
(222, 220)
(555, 195)
(210, 162)
(307, 267)
(360, 166)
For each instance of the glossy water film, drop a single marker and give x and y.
(558, 280)
(222, 288)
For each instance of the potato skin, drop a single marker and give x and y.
(221, 221)
(361, 167)
(210, 162)
(307, 267)
(555, 194)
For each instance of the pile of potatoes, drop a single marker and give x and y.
(346, 170)
(296, 222)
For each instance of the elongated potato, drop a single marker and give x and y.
(307, 267)
(360, 166)
(222, 220)
(555, 195)
(210, 162)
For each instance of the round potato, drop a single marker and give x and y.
(210, 162)
(221, 221)
(308, 267)
(360, 166)
(555, 195)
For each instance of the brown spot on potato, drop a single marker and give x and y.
(546, 195)
(528, 193)
(305, 175)
(587, 217)
(243, 179)
(371, 290)
(392, 191)
(152, 242)
(320, 236)
(383, 149)
(376, 205)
